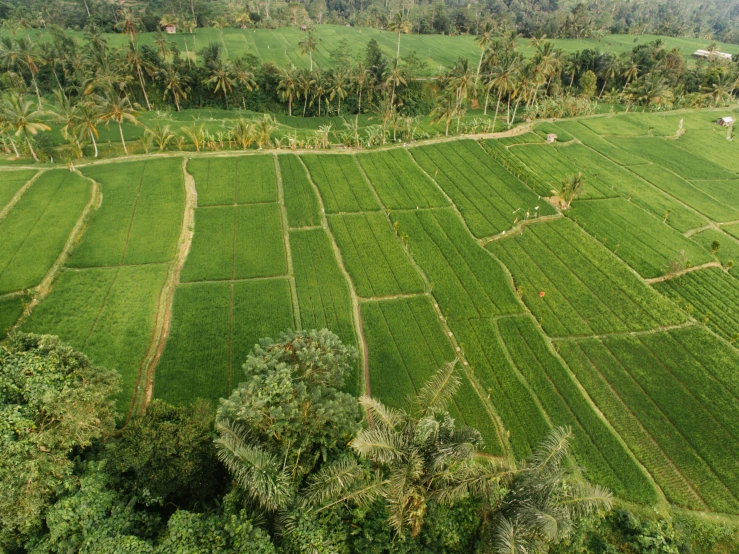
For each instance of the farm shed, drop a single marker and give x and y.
(551, 137)
(714, 54)
(171, 29)
(725, 121)
(303, 27)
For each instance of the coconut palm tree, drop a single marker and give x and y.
(445, 109)
(221, 78)
(263, 130)
(339, 86)
(88, 117)
(139, 64)
(287, 87)
(128, 23)
(243, 76)
(115, 108)
(23, 119)
(219, 23)
(163, 45)
(394, 76)
(361, 76)
(610, 68)
(29, 55)
(399, 24)
(175, 83)
(569, 189)
(631, 72)
(305, 86)
(483, 39)
(505, 80)
(307, 46)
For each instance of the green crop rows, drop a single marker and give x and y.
(728, 247)
(300, 198)
(341, 183)
(11, 182)
(11, 308)
(585, 290)
(234, 180)
(638, 238)
(35, 230)
(489, 198)
(399, 182)
(140, 217)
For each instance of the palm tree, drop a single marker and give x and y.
(118, 109)
(29, 56)
(88, 115)
(305, 85)
(631, 72)
(244, 77)
(652, 89)
(196, 135)
(219, 23)
(505, 80)
(399, 24)
(569, 189)
(22, 119)
(161, 135)
(139, 64)
(339, 85)
(420, 455)
(545, 500)
(243, 19)
(394, 76)
(287, 87)
(609, 70)
(263, 130)
(128, 23)
(307, 46)
(444, 110)
(483, 39)
(717, 92)
(175, 83)
(221, 78)
(162, 43)
(361, 77)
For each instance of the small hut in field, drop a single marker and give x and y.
(551, 137)
(303, 27)
(725, 121)
(171, 29)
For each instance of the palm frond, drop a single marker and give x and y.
(379, 445)
(584, 499)
(552, 451)
(509, 538)
(333, 481)
(439, 390)
(381, 415)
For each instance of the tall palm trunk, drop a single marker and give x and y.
(514, 112)
(38, 94)
(397, 56)
(123, 140)
(604, 88)
(496, 112)
(356, 119)
(479, 66)
(30, 147)
(94, 144)
(143, 88)
(487, 97)
(305, 103)
(15, 148)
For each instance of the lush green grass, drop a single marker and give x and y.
(593, 140)
(728, 250)
(33, 234)
(236, 242)
(140, 217)
(714, 199)
(234, 180)
(11, 182)
(399, 182)
(301, 202)
(671, 396)
(323, 293)
(586, 290)
(465, 280)
(710, 295)
(374, 255)
(644, 242)
(594, 445)
(215, 326)
(712, 144)
(11, 309)
(108, 314)
(406, 346)
(489, 198)
(341, 183)
(280, 46)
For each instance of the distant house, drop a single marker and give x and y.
(303, 27)
(714, 54)
(171, 29)
(725, 121)
(551, 137)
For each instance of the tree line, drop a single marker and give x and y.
(288, 464)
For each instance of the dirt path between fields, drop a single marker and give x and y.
(163, 320)
(677, 274)
(18, 194)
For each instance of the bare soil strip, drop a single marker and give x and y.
(677, 274)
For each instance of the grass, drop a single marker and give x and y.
(11, 309)
(11, 182)
(234, 180)
(323, 292)
(106, 313)
(215, 326)
(236, 242)
(644, 242)
(710, 295)
(593, 140)
(35, 230)
(465, 280)
(341, 183)
(660, 392)
(728, 250)
(489, 198)
(399, 182)
(140, 216)
(406, 346)
(374, 255)
(301, 202)
(586, 290)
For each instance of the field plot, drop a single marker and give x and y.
(586, 290)
(301, 202)
(728, 248)
(140, 217)
(525, 138)
(714, 199)
(670, 156)
(710, 295)
(609, 126)
(11, 182)
(672, 397)
(406, 346)
(489, 198)
(593, 140)
(342, 185)
(11, 309)
(236, 242)
(465, 280)
(323, 292)
(34, 233)
(641, 240)
(713, 146)
(215, 326)
(595, 446)
(374, 256)
(108, 314)
(399, 182)
(732, 230)
(234, 180)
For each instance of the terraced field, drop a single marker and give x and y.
(616, 317)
